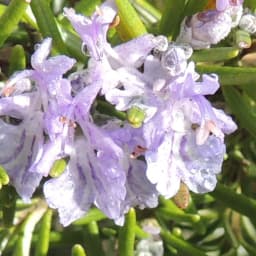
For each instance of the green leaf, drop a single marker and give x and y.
(42, 244)
(130, 24)
(127, 235)
(93, 214)
(237, 202)
(172, 17)
(78, 250)
(184, 248)
(251, 4)
(194, 6)
(230, 75)
(23, 244)
(47, 24)
(17, 59)
(11, 17)
(241, 109)
(92, 240)
(215, 54)
(87, 7)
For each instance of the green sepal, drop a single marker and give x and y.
(130, 24)
(241, 108)
(4, 178)
(58, 168)
(78, 250)
(243, 39)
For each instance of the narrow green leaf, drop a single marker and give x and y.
(172, 17)
(93, 244)
(215, 54)
(11, 17)
(237, 202)
(230, 75)
(130, 24)
(47, 23)
(17, 59)
(127, 234)
(241, 109)
(179, 217)
(93, 214)
(42, 244)
(73, 44)
(184, 248)
(23, 244)
(146, 9)
(251, 4)
(194, 6)
(87, 7)
(78, 250)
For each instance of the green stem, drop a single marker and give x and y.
(127, 235)
(106, 108)
(47, 23)
(11, 17)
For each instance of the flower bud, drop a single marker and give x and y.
(248, 23)
(136, 116)
(205, 28)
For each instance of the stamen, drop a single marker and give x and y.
(7, 91)
(65, 120)
(98, 11)
(115, 22)
(138, 151)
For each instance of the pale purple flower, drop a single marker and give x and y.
(93, 31)
(21, 140)
(94, 175)
(205, 28)
(222, 5)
